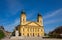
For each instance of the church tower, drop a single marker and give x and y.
(39, 19)
(30, 28)
(23, 18)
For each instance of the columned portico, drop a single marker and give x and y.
(28, 28)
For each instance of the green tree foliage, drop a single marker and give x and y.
(56, 33)
(2, 35)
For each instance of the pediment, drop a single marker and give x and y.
(33, 24)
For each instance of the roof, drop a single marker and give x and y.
(34, 23)
(23, 12)
(39, 14)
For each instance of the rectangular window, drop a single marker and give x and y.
(23, 29)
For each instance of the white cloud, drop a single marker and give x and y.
(31, 14)
(13, 7)
(53, 21)
(10, 27)
(17, 21)
(54, 17)
(52, 14)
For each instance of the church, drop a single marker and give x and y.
(29, 28)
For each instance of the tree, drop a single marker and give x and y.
(56, 32)
(2, 35)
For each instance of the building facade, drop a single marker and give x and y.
(28, 28)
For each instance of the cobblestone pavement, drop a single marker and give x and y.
(35, 38)
(29, 38)
(6, 39)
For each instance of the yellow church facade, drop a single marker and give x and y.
(29, 28)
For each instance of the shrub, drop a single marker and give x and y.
(2, 35)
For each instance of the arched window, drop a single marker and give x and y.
(33, 29)
(41, 29)
(23, 20)
(19, 34)
(27, 34)
(23, 34)
(38, 34)
(23, 29)
(38, 29)
(33, 34)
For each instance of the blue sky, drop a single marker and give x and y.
(51, 10)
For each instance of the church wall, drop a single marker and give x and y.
(31, 28)
(31, 31)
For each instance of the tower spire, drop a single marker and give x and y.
(23, 12)
(39, 19)
(23, 17)
(39, 14)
